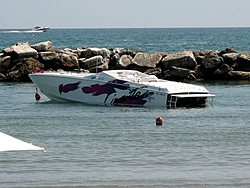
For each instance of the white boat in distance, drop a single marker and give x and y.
(119, 88)
(40, 28)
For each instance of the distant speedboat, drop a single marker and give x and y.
(118, 88)
(40, 28)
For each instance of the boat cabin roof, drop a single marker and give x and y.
(129, 75)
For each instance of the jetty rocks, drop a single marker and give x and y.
(21, 59)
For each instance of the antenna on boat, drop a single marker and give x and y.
(96, 62)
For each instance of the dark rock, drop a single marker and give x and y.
(114, 60)
(23, 68)
(222, 71)
(81, 62)
(238, 75)
(227, 50)
(244, 61)
(154, 71)
(199, 72)
(2, 77)
(212, 60)
(5, 64)
(90, 52)
(180, 73)
(199, 56)
(230, 58)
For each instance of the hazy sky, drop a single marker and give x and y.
(16, 14)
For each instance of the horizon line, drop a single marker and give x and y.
(179, 27)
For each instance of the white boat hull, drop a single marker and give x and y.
(97, 89)
(41, 29)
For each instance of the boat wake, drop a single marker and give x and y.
(21, 31)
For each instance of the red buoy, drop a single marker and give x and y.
(159, 121)
(37, 96)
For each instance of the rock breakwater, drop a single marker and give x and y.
(21, 59)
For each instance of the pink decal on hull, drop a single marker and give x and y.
(68, 87)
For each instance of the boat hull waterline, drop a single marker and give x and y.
(118, 88)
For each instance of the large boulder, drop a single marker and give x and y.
(124, 62)
(91, 52)
(100, 68)
(21, 50)
(42, 46)
(67, 61)
(92, 62)
(230, 58)
(183, 59)
(146, 60)
(48, 56)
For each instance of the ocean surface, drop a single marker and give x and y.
(99, 146)
(145, 39)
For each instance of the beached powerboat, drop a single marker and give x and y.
(119, 88)
(40, 28)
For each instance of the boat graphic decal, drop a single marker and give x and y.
(108, 88)
(68, 87)
(135, 98)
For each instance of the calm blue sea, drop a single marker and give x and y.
(98, 146)
(145, 39)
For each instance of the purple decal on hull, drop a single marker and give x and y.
(107, 88)
(135, 98)
(68, 87)
(97, 89)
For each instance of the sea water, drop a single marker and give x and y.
(144, 39)
(99, 146)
